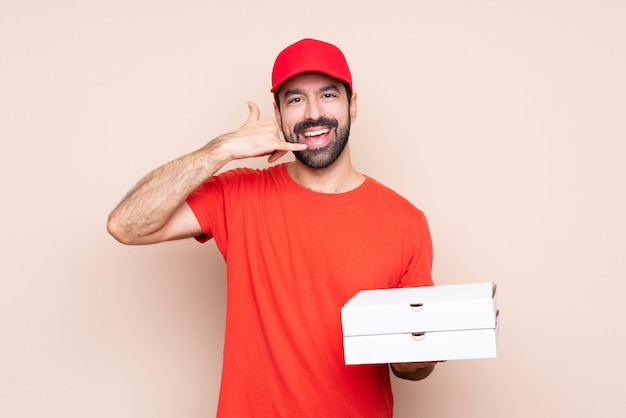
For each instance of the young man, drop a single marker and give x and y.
(299, 240)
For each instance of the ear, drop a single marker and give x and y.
(353, 108)
(277, 116)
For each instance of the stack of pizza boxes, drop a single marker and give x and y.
(433, 323)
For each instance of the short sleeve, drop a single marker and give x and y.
(419, 255)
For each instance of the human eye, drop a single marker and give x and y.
(329, 93)
(294, 100)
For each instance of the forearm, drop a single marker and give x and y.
(153, 201)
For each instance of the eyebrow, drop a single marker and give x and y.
(329, 87)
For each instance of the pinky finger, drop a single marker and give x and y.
(276, 155)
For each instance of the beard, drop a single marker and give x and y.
(318, 158)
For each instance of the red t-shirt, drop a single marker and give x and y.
(294, 257)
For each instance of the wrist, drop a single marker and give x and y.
(214, 155)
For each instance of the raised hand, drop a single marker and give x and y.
(257, 138)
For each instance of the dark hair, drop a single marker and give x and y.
(345, 84)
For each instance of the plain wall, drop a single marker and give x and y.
(503, 120)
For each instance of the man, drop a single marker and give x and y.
(299, 240)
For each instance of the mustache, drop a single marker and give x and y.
(310, 123)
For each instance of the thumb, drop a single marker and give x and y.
(254, 113)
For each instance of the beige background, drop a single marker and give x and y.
(502, 120)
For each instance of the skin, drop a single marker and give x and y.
(312, 96)
(155, 210)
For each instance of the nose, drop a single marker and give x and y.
(313, 110)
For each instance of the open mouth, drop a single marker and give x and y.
(316, 137)
(316, 133)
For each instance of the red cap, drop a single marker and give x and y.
(310, 55)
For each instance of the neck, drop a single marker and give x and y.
(339, 177)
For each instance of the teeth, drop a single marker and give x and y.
(316, 133)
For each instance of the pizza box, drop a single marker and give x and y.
(433, 323)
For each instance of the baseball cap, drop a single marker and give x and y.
(310, 55)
